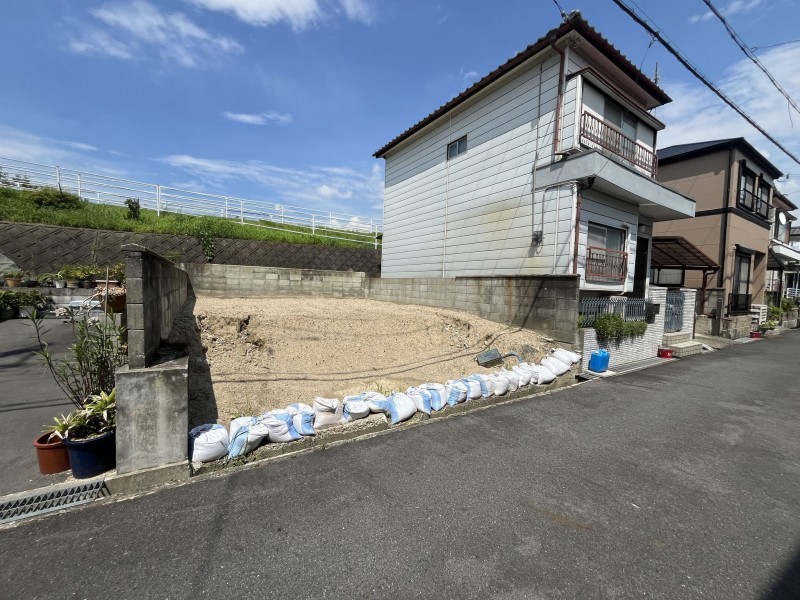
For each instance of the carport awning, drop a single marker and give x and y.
(675, 252)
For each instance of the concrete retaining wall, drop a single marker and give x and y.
(734, 328)
(548, 304)
(157, 290)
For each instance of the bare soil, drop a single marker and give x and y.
(270, 352)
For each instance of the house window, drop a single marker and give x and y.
(602, 236)
(739, 301)
(457, 147)
(616, 115)
(753, 193)
(780, 226)
(667, 277)
(606, 260)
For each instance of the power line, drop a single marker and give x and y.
(757, 48)
(694, 71)
(749, 54)
(561, 10)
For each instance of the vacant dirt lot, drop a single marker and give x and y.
(270, 352)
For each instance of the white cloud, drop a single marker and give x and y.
(734, 8)
(316, 187)
(298, 14)
(259, 118)
(138, 28)
(698, 115)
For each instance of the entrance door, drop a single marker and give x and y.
(641, 268)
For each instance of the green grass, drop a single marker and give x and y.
(20, 206)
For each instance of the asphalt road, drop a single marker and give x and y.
(680, 481)
(29, 399)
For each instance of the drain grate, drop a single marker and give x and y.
(39, 503)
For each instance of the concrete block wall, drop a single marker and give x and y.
(157, 289)
(734, 328)
(548, 304)
(239, 281)
(630, 349)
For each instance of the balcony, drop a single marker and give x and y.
(739, 304)
(753, 203)
(605, 266)
(596, 132)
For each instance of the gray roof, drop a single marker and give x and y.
(687, 151)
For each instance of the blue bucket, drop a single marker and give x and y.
(92, 457)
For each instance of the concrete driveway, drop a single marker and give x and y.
(28, 401)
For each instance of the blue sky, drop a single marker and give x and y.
(286, 100)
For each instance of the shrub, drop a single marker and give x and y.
(774, 312)
(134, 209)
(207, 244)
(609, 326)
(787, 305)
(57, 199)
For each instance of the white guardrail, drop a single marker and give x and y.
(102, 189)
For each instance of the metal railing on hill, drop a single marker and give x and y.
(103, 189)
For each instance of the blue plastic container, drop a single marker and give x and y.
(598, 361)
(88, 458)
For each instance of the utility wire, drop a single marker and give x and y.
(694, 71)
(749, 54)
(757, 48)
(564, 15)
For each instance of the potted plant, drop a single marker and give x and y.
(9, 303)
(13, 278)
(87, 276)
(46, 279)
(87, 377)
(51, 451)
(114, 299)
(90, 436)
(69, 275)
(32, 300)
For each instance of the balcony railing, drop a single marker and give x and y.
(739, 304)
(605, 266)
(597, 132)
(753, 203)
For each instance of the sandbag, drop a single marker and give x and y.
(280, 426)
(565, 356)
(498, 385)
(421, 397)
(354, 407)
(438, 395)
(481, 379)
(377, 402)
(208, 442)
(302, 418)
(247, 433)
(401, 407)
(524, 375)
(327, 412)
(545, 375)
(555, 365)
(456, 391)
(513, 379)
(473, 388)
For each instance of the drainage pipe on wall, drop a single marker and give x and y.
(534, 239)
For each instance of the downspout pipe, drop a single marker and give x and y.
(723, 249)
(562, 73)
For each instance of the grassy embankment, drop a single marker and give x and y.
(46, 207)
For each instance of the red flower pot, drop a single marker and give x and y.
(755, 334)
(665, 352)
(53, 457)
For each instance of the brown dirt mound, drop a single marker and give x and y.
(270, 352)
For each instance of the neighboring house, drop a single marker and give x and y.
(784, 259)
(544, 166)
(737, 202)
(792, 289)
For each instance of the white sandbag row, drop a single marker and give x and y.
(212, 442)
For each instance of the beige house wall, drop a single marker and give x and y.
(702, 178)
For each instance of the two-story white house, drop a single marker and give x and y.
(544, 166)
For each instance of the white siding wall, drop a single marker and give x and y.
(472, 215)
(602, 209)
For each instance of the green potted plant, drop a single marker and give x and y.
(87, 275)
(69, 275)
(13, 278)
(9, 303)
(51, 451)
(32, 300)
(87, 377)
(46, 279)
